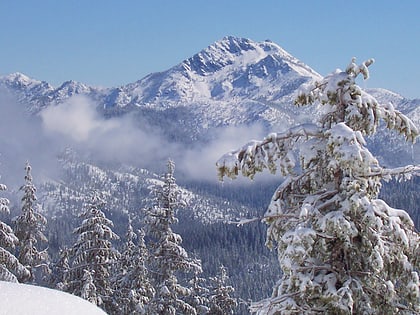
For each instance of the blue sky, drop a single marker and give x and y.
(111, 43)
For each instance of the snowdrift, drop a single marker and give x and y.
(22, 299)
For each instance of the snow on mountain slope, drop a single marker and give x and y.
(232, 67)
(234, 81)
(126, 191)
(37, 94)
(22, 299)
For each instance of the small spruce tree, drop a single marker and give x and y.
(60, 269)
(341, 249)
(221, 302)
(132, 286)
(89, 289)
(199, 296)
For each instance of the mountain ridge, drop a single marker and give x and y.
(248, 61)
(234, 81)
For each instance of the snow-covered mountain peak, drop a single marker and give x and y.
(240, 52)
(18, 80)
(229, 68)
(70, 88)
(222, 53)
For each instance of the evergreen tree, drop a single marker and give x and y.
(168, 257)
(30, 226)
(198, 297)
(341, 249)
(93, 253)
(132, 287)
(60, 270)
(221, 303)
(89, 289)
(10, 267)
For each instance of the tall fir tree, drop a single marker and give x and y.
(10, 268)
(29, 229)
(93, 254)
(341, 249)
(132, 286)
(168, 257)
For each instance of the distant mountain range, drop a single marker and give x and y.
(233, 82)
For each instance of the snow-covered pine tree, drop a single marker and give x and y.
(220, 300)
(342, 250)
(29, 229)
(199, 296)
(168, 258)
(132, 287)
(10, 268)
(60, 269)
(93, 252)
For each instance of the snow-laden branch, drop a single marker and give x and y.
(396, 120)
(404, 172)
(273, 150)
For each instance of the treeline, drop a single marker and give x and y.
(139, 277)
(251, 267)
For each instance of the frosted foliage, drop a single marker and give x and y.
(341, 250)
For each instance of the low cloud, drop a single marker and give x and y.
(114, 140)
(22, 141)
(199, 163)
(124, 139)
(121, 140)
(76, 120)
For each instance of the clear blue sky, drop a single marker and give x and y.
(111, 43)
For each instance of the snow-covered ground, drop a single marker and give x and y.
(21, 299)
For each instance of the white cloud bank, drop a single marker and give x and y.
(121, 140)
(200, 162)
(77, 123)
(124, 139)
(76, 119)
